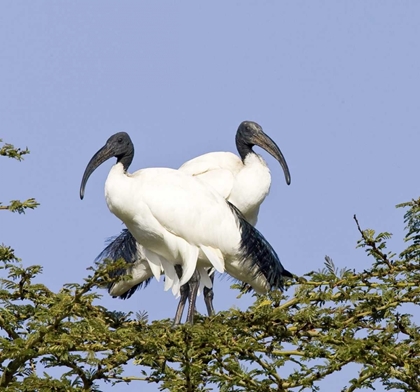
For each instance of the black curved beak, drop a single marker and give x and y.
(98, 159)
(265, 142)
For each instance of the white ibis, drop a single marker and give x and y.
(226, 173)
(179, 220)
(244, 181)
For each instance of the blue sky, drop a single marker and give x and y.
(335, 84)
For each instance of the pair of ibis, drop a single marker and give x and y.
(189, 222)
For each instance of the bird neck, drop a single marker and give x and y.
(126, 160)
(251, 187)
(244, 148)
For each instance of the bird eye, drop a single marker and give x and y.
(120, 139)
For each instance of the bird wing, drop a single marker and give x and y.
(155, 263)
(195, 214)
(216, 169)
(125, 246)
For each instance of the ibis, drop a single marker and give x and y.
(180, 221)
(230, 176)
(244, 181)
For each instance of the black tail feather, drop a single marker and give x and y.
(254, 246)
(122, 246)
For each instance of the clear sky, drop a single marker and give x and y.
(335, 84)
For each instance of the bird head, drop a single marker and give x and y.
(251, 134)
(119, 146)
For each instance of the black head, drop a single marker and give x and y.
(248, 131)
(119, 146)
(251, 134)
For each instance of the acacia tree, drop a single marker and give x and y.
(283, 342)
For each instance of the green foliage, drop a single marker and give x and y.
(20, 206)
(8, 150)
(327, 319)
(334, 318)
(61, 329)
(412, 219)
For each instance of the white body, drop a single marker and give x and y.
(243, 185)
(187, 219)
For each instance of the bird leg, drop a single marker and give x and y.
(208, 297)
(193, 284)
(184, 290)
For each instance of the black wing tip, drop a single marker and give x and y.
(122, 246)
(287, 274)
(265, 259)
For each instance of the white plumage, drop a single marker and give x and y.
(179, 220)
(176, 218)
(244, 184)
